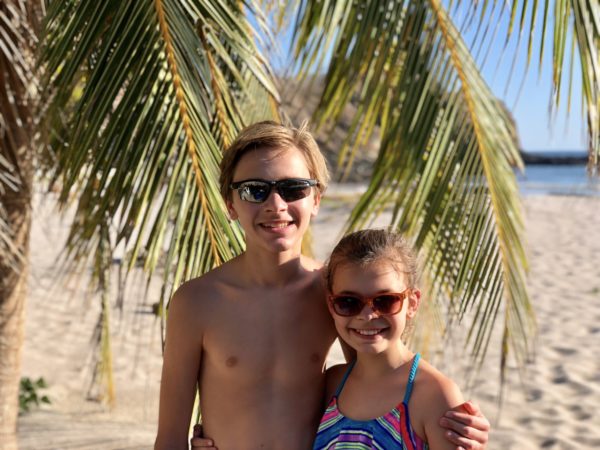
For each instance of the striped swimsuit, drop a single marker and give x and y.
(391, 431)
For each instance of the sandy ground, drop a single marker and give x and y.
(555, 408)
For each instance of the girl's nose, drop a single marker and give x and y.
(367, 313)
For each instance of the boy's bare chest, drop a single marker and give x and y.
(264, 355)
(264, 337)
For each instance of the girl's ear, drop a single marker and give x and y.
(414, 300)
(329, 307)
(233, 215)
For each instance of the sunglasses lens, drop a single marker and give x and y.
(254, 191)
(292, 190)
(346, 305)
(387, 304)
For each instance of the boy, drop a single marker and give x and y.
(254, 332)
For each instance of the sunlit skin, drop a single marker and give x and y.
(378, 381)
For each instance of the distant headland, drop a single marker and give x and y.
(565, 157)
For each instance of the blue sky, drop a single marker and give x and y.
(537, 129)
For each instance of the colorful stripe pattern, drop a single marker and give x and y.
(391, 431)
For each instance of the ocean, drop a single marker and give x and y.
(556, 178)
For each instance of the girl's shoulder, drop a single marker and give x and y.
(430, 384)
(433, 394)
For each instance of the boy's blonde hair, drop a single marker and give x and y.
(368, 246)
(267, 135)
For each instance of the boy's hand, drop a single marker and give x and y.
(198, 441)
(467, 427)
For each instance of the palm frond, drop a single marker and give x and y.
(447, 147)
(575, 39)
(586, 24)
(164, 86)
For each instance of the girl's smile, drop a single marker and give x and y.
(370, 334)
(368, 331)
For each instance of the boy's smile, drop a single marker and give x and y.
(277, 225)
(278, 228)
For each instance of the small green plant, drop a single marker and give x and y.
(29, 394)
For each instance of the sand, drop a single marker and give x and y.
(556, 406)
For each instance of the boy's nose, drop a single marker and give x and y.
(274, 202)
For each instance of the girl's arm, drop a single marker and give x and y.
(349, 352)
(441, 395)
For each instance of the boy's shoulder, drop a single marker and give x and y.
(209, 286)
(336, 372)
(312, 264)
(226, 281)
(314, 271)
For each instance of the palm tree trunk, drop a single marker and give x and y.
(13, 274)
(16, 205)
(18, 104)
(13, 287)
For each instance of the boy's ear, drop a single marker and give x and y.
(233, 215)
(414, 300)
(315, 208)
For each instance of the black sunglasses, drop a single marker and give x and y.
(386, 304)
(289, 189)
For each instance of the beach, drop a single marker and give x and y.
(554, 407)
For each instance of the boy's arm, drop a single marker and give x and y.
(349, 352)
(466, 426)
(181, 362)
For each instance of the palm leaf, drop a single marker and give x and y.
(575, 38)
(164, 86)
(444, 164)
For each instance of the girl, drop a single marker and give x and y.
(371, 279)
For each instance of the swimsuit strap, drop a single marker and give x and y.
(341, 386)
(411, 378)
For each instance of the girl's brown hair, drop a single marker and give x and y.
(368, 246)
